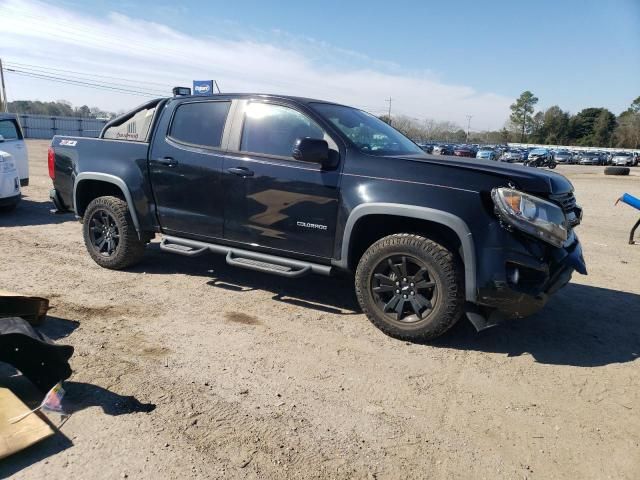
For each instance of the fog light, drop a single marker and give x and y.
(513, 275)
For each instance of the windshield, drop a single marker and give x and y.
(623, 154)
(368, 133)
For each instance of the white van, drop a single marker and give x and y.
(12, 142)
(9, 183)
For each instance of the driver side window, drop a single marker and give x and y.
(273, 129)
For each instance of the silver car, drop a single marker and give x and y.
(624, 159)
(563, 156)
(512, 156)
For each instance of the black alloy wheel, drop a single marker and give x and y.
(110, 234)
(104, 233)
(410, 286)
(404, 289)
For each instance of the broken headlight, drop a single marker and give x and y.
(532, 215)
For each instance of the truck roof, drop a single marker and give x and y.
(256, 95)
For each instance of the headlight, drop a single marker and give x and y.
(533, 215)
(6, 165)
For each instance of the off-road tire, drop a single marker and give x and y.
(129, 249)
(444, 270)
(616, 171)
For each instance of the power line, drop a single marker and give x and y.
(27, 66)
(95, 86)
(91, 80)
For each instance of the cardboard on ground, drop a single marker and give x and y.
(20, 435)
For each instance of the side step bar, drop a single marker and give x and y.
(261, 262)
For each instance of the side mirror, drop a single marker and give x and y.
(312, 150)
(1, 139)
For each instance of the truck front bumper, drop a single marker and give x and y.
(523, 279)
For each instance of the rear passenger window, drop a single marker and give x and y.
(200, 123)
(9, 130)
(133, 128)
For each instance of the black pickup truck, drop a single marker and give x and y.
(293, 186)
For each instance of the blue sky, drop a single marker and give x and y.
(474, 54)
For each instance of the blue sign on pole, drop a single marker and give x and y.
(203, 87)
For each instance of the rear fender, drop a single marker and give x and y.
(112, 179)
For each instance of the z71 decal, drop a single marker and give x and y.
(68, 143)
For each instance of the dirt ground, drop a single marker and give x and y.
(188, 368)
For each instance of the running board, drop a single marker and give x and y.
(261, 262)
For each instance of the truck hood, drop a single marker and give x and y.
(528, 179)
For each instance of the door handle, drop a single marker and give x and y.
(241, 171)
(167, 161)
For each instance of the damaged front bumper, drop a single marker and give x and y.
(525, 274)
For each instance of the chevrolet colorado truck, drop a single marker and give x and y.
(293, 186)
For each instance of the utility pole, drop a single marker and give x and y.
(389, 100)
(3, 91)
(469, 117)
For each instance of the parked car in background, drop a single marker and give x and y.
(12, 142)
(443, 149)
(576, 154)
(9, 183)
(464, 151)
(525, 153)
(427, 147)
(541, 157)
(624, 159)
(487, 153)
(563, 156)
(604, 160)
(590, 158)
(512, 156)
(539, 152)
(609, 157)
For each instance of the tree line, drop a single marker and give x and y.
(592, 127)
(59, 108)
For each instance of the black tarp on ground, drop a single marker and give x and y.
(33, 353)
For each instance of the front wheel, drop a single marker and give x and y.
(109, 234)
(409, 287)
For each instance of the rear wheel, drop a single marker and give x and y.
(409, 287)
(109, 234)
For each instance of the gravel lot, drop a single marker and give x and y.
(254, 376)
